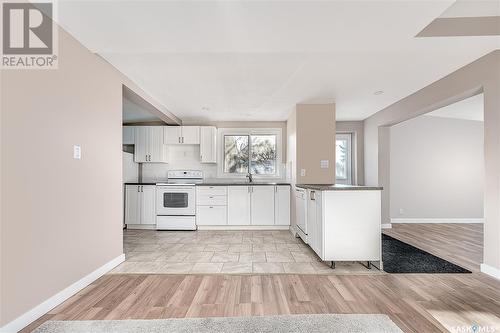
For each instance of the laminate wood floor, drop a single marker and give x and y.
(459, 243)
(416, 303)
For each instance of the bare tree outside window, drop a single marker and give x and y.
(236, 154)
(256, 154)
(263, 155)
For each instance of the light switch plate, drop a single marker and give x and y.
(77, 152)
(302, 172)
(325, 164)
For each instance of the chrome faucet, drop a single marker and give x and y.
(250, 177)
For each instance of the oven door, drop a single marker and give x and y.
(175, 200)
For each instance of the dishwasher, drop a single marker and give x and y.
(301, 212)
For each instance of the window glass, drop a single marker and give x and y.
(236, 154)
(263, 155)
(341, 164)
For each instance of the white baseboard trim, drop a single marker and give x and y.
(243, 227)
(44, 307)
(416, 220)
(386, 225)
(491, 271)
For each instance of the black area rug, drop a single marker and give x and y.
(399, 257)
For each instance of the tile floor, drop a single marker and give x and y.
(237, 252)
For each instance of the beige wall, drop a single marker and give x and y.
(357, 128)
(437, 169)
(315, 142)
(481, 75)
(61, 218)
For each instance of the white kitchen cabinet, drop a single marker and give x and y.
(191, 135)
(262, 205)
(188, 135)
(314, 221)
(149, 146)
(282, 205)
(211, 205)
(211, 215)
(140, 204)
(344, 225)
(141, 149)
(173, 135)
(128, 135)
(132, 204)
(148, 205)
(208, 144)
(238, 205)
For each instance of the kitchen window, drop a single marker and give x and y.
(343, 156)
(255, 151)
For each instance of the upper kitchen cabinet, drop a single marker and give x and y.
(188, 135)
(149, 146)
(208, 144)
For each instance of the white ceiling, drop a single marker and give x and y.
(468, 109)
(254, 60)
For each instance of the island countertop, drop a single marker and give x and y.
(338, 187)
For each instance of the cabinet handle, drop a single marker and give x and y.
(182, 139)
(313, 195)
(142, 188)
(179, 139)
(138, 189)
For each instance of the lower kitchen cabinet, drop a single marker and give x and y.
(238, 205)
(211, 215)
(262, 205)
(315, 222)
(140, 207)
(282, 205)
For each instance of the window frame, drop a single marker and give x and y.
(248, 132)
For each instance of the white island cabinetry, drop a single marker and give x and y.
(344, 223)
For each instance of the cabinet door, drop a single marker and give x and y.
(211, 215)
(208, 144)
(311, 220)
(132, 204)
(128, 135)
(238, 205)
(282, 205)
(191, 135)
(157, 148)
(141, 139)
(319, 225)
(262, 205)
(148, 206)
(172, 135)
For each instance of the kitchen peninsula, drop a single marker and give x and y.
(340, 222)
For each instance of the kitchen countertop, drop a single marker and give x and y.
(338, 187)
(222, 182)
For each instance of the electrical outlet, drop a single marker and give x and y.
(302, 172)
(401, 211)
(77, 152)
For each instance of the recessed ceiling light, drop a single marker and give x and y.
(205, 108)
(378, 92)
